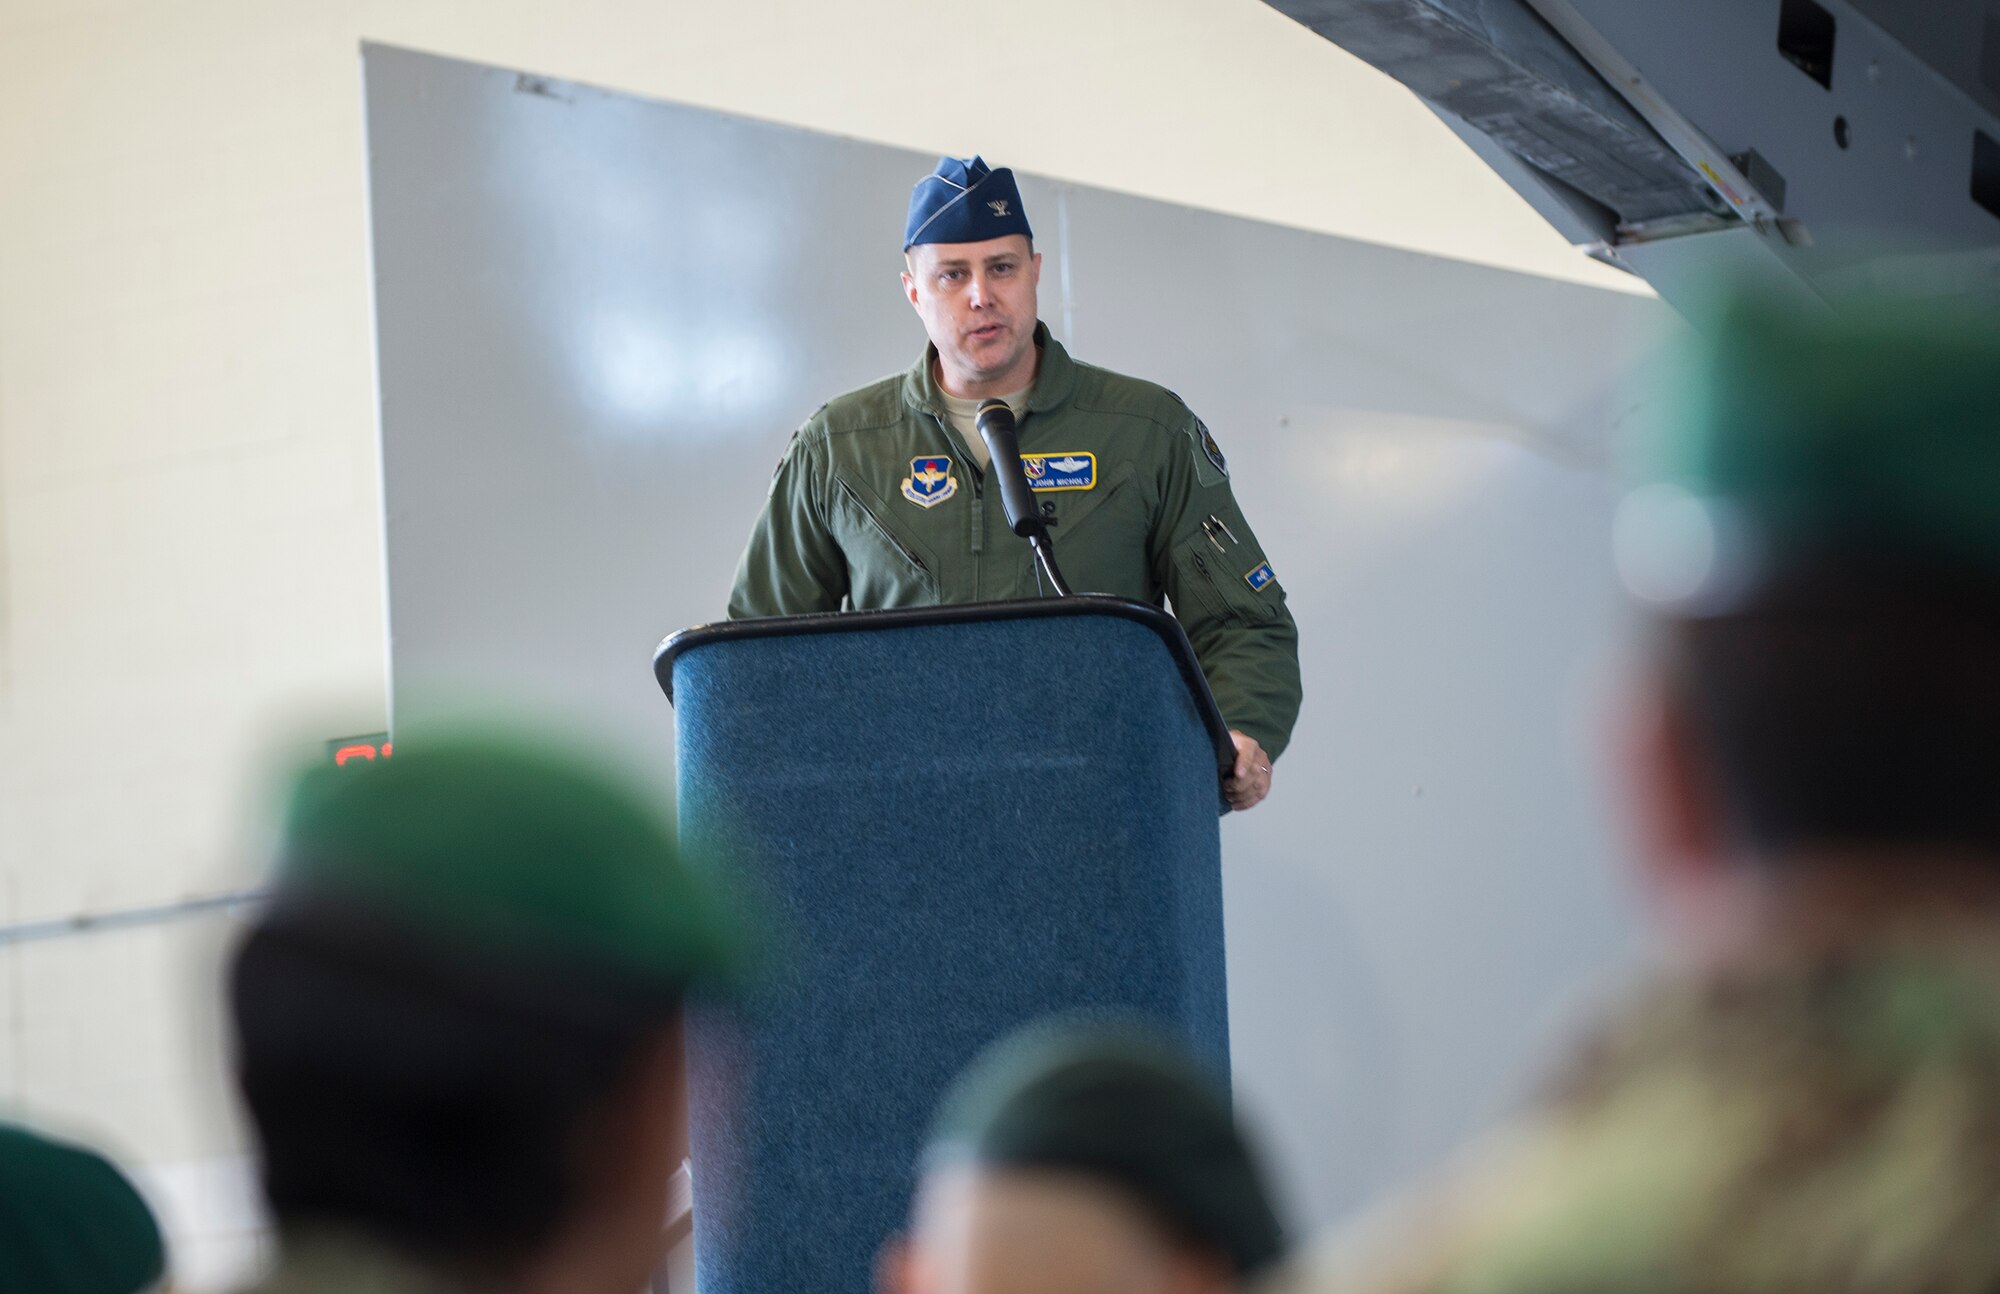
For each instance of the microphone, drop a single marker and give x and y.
(996, 428)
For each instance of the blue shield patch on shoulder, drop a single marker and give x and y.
(1260, 577)
(930, 481)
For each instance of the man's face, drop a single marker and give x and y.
(977, 301)
(1033, 1231)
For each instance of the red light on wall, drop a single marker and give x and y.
(359, 750)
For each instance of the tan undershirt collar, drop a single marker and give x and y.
(964, 415)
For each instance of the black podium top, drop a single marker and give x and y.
(1086, 604)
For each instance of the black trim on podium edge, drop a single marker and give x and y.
(1168, 628)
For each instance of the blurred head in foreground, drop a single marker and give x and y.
(1817, 539)
(70, 1223)
(1078, 1161)
(1808, 1095)
(458, 1022)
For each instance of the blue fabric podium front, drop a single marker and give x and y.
(961, 819)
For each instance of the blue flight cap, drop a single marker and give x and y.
(964, 201)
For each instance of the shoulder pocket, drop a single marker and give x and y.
(1249, 596)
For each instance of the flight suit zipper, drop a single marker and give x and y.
(978, 536)
(1218, 602)
(881, 526)
(977, 511)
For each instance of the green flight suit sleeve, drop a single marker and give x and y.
(1225, 594)
(792, 564)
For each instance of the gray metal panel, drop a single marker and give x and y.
(1864, 183)
(600, 318)
(1575, 214)
(1894, 204)
(1689, 271)
(1495, 65)
(1960, 39)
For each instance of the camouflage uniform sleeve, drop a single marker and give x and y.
(792, 564)
(1225, 594)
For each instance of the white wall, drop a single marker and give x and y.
(189, 521)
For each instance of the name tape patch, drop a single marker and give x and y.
(1065, 471)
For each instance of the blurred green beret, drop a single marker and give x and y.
(509, 841)
(70, 1223)
(1793, 434)
(1124, 1109)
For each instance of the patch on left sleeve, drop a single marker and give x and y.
(1210, 467)
(1260, 577)
(787, 452)
(1210, 448)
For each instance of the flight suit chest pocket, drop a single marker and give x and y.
(886, 565)
(1100, 536)
(1073, 510)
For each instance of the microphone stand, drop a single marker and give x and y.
(996, 428)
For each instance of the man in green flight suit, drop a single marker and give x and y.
(882, 499)
(1807, 1097)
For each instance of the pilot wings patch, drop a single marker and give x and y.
(1070, 470)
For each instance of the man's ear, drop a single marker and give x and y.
(640, 1138)
(895, 1267)
(1670, 792)
(1202, 1272)
(1036, 277)
(910, 288)
(628, 1148)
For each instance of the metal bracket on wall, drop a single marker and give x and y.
(82, 923)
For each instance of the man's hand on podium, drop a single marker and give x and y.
(1250, 781)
